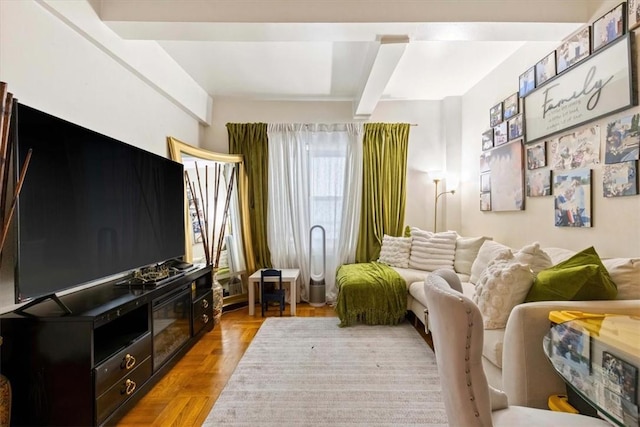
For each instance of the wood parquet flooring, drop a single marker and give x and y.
(186, 394)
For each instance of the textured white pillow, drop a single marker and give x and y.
(395, 251)
(466, 252)
(503, 285)
(487, 253)
(625, 273)
(431, 251)
(536, 258)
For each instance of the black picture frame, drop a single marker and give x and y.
(609, 27)
(573, 49)
(500, 134)
(527, 82)
(487, 140)
(546, 68)
(515, 127)
(620, 179)
(620, 376)
(536, 155)
(495, 114)
(511, 106)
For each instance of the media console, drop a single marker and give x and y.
(90, 366)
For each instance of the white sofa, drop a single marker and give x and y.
(512, 357)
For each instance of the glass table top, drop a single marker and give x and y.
(598, 356)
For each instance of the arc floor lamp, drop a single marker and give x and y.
(436, 181)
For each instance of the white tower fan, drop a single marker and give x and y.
(317, 265)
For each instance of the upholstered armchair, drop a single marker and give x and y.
(457, 329)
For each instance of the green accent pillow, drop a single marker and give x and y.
(407, 231)
(579, 278)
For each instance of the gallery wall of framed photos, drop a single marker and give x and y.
(546, 138)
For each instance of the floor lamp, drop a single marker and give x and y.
(436, 181)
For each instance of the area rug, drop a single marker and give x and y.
(308, 371)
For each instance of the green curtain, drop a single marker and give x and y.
(250, 140)
(384, 178)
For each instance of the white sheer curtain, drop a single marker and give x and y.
(315, 178)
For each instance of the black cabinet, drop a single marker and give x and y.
(91, 366)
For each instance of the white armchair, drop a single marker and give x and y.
(457, 329)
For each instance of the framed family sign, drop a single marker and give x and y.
(598, 86)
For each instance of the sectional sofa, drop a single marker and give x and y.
(513, 358)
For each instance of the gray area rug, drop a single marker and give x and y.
(302, 371)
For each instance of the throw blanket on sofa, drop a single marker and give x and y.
(371, 293)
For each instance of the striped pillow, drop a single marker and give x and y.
(431, 251)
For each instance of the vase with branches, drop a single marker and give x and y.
(205, 191)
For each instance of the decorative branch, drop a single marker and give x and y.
(16, 193)
(195, 202)
(225, 215)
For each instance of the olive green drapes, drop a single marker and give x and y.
(250, 140)
(384, 179)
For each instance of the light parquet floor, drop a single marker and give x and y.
(185, 395)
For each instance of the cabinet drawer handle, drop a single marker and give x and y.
(205, 318)
(128, 361)
(205, 303)
(130, 386)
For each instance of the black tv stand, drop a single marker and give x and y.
(87, 357)
(23, 309)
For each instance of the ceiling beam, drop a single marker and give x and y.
(388, 55)
(348, 11)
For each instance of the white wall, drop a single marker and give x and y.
(426, 145)
(616, 221)
(50, 66)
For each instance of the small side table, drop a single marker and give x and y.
(289, 275)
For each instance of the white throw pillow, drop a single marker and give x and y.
(625, 273)
(487, 253)
(503, 285)
(431, 251)
(395, 251)
(535, 257)
(467, 249)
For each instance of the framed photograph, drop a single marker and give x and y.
(539, 182)
(623, 140)
(574, 49)
(579, 149)
(485, 160)
(546, 68)
(500, 135)
(511, 106)
(609, 27)
(485, 182)
(507, 177)
(633, 14)
(495, 114)
(536, 155)
(527, 82)
(572, 343)
(516, 127)
(572, 194)
(485, 201)
(487, 140)
(620, 179)
(620, 377)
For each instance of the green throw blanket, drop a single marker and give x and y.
(371, 293)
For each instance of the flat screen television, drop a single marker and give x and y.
(91, 206)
